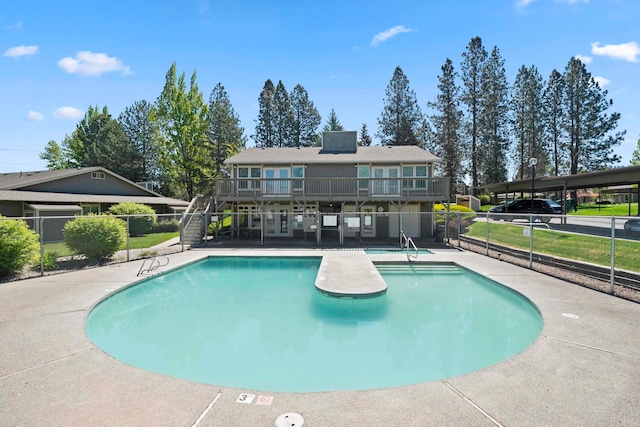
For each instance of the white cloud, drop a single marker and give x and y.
(92, 64)
(602, 82)
(627, 51)
(35, 116)
(524, 3)
(18, 51)
(585, 59)
(577, 1)
(68, 113)
(16, 26)
(391, 32)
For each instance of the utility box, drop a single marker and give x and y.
(469, 201)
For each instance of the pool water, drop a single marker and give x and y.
(259, 323)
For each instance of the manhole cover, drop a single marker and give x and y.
(290, 419)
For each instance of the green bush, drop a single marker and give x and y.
(485, 199)
(165, 226)
(19, 246)
(467, 215)
(138, 225)
(95, 236)
(50, 262)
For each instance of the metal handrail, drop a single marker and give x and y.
(407, 242)
(154, 264)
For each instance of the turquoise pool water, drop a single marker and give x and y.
(384, 251)
(259, 323)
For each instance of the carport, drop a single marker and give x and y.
(601, 179)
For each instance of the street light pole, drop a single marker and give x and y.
(533, 162)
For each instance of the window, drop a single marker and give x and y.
(247, 173)
(363, 172)
(97, 175)
(414, 172)
(297, 173)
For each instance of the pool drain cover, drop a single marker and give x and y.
(290, 419)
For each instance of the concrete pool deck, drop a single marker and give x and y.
(581, 370)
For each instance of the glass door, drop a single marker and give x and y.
(277, 181)
(277, 221)
(382, 184)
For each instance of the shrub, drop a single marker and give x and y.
(19, 246)
(50, 262)
(138, 225)
(467, 215)
(95, 236)
(485, 199)
(165, 226)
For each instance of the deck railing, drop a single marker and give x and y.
(430, 189)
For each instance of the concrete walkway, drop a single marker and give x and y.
(583, 370)
(349, 274)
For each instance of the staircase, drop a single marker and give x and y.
(193, 222)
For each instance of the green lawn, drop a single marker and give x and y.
(596, 250)
(606, 210)
(141, 242)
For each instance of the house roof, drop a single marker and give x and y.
(315, 155)
(18, 180)
(44, 197)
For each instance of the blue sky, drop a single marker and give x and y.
(60, 57)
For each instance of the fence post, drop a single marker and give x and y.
(128, 237)
(184, 215)
(613, 253)
(459, 225)
(531, 240)
(41, 246)
(487, 243)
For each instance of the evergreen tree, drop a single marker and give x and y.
(446, 124)
(282, 117)
(54, 156)
(494, 121)
(181, 116)
(100, 140)
(365, 138)
(225, 135)
(332, 124)
(306, 119)
(472, 64)
(401, 116)
(528, 122)
(142, 133)
(635, 158)
(589, 128)
(554, 120)
(265, 125)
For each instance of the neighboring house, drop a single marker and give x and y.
(337, 188)
(68, 192)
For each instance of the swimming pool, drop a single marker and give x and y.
(259, 323)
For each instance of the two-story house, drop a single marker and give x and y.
(337, 190)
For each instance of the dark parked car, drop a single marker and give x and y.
(520, 209)
(632, 227)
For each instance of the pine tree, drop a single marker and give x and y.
(225, 134)
(494, 121)
(265, 124)
(528, 122)
(282, 117)
(446, 124)
(401, 116)
(306, 119)
(635, 158)
(54, 156)
(589, 128)
(365, 138)
(332, 124)
(142, 133)
(554, 120)
(471, 68)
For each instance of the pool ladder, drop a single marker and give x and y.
(152, 264)
(408, 243)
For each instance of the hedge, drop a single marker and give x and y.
(95, 236)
